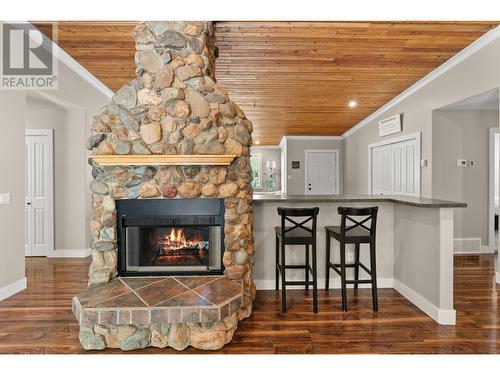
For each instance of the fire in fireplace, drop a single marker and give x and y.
(176, 242)
(175, 248)
(170, 237)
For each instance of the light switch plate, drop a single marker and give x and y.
(4, 198)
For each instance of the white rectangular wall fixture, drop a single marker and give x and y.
(4, 198)
(390, 125)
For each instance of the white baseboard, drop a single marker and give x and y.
(485, 249)
(13, 288)
(467, 245)
(334, 284)
(447, 317)
(497, 277)
(76, 253)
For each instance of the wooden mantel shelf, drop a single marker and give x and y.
(111, 160)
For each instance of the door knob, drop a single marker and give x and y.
(29, 203)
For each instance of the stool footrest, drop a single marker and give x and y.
(295, 267)
(347, 265)
(367, 281)
(299, 283)
(336, 267)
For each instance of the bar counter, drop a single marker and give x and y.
(414, 245)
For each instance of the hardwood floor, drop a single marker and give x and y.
(39, 319)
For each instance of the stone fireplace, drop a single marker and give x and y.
(172, 213)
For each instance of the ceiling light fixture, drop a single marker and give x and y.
(257, 142)
(353, 103)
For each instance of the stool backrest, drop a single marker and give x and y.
(352, 214)
(306, 215)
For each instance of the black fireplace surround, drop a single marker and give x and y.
(158, 237)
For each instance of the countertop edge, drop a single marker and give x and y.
(432, 203)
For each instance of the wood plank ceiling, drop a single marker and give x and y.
(293, 78)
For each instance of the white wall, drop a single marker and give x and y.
(476, 74)
(463, 134)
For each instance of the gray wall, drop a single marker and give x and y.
(69, 177)
(476, 74)
(269, 154)
(296, 152)
(417, 250)
(12, 108)
(463, 135)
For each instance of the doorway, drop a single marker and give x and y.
(56, 166)
(494, 187)
(463, 165)
(39, 192)
(322, 172)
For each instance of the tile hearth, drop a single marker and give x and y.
(149, 300)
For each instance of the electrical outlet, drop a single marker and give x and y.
(462, 163)
(472, 163)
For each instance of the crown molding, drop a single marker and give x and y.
(265, 147)
(313, 137)
(55, 100)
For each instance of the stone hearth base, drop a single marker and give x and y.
(134, 313)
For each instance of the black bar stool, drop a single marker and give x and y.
(356, 234)
(297, 234)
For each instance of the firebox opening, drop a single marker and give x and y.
(170, 237)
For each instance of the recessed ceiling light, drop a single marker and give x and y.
(353, 103)
(257, 142)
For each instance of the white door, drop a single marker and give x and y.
(322, 172)
(395, 168)
(382, 166)
(283, 171)
(39, 236)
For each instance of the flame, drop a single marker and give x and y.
(176, 240)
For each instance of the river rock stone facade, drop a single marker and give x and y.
(174, 106)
